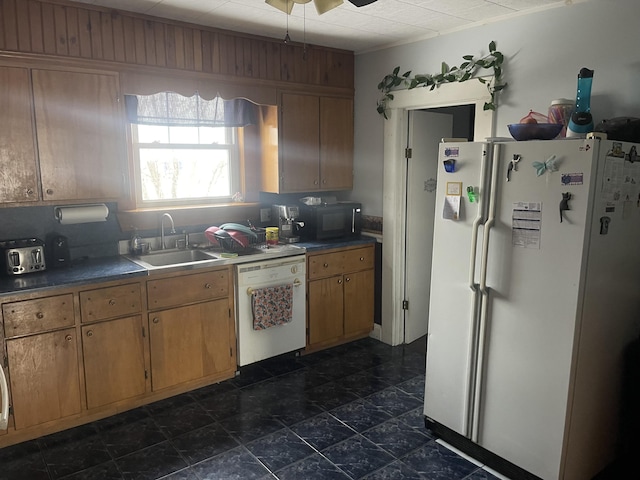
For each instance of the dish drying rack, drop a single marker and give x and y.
(259, 239)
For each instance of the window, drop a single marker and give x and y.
(185, 148)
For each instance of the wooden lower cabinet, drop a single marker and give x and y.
(114, 360)
(44, 377)
(326, 305)
(358, 302)
(78, 354)
(189, 343)
(340, 296)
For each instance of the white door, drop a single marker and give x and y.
(453, 308)
(426, 129)
(533, 297)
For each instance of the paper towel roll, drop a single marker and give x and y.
(81, 214)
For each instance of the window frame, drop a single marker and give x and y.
(235, 173)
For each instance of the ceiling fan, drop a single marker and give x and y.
(322, 6)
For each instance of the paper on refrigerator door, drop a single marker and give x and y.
(526, 224)
(451, 208)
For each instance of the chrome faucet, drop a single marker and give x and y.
(173, 229)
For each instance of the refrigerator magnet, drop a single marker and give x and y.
(454, 188)
(451, 208)
(449, 165)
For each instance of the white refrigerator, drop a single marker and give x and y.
(535, 293)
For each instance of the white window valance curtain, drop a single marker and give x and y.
(173, 109)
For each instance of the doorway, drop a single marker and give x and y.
(396, 251)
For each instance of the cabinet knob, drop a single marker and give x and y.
(207, 285)
(339, 281)
(325, 265)
(324, 181)
(30, 191)
(40, 315)
(68, 338)
(49, 191)
(89, 333)
(362, 259)
(112, 302)
(347, 279)
(315, 182)
(156, 320)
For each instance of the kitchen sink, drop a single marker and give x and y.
(162, 259)
(168, 259)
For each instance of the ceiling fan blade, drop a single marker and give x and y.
(361, 3)
(282, 5)
(323, 6)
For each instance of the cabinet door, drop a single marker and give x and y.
(44, 377)
(299, 143)
(325, 307)
(167, 292)
(188, 343)
(358, 302)
(18, 169)
(80, 135)
(336, 143)
(113, 360)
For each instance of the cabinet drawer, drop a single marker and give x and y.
(336, 263)
(38, 315)
(187, 289)
(110, 302)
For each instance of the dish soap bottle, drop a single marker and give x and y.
(136, 243)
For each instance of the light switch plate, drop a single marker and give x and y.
(265, 214)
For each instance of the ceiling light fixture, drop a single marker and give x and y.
(322, 6)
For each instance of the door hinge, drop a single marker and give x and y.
(229, 313)
(144, 334)
(146, 374)
(5, 362)
(231, 351)
(405, 304)
(408, 153)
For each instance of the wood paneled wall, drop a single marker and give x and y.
(66, 29)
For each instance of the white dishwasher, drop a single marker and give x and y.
(273, 285)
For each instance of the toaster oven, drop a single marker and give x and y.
(24, 255)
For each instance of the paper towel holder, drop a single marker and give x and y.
(73, 214)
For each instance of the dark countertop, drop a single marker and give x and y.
(316, 245)
(82, 271)
(116, 268)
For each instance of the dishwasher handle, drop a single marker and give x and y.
(296, 283)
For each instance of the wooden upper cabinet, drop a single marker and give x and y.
(18, 167)
(315, 145)
(336, 143)
(81, 135)
(299, 143)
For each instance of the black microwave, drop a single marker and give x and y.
(330, 221)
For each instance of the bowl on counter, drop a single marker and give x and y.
(534, 131)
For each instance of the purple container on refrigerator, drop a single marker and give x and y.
(534, 296)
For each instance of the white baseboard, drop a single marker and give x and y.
(376, 332)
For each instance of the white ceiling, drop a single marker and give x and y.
(380, 24)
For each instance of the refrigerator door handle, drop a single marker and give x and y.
(476, 223)
(484, 303)
(491, 219)
(472, 350)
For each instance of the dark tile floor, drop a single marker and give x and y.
(350, 412)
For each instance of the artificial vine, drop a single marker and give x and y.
(467, 69)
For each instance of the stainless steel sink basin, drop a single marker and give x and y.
(172, 258)
(162, 259)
